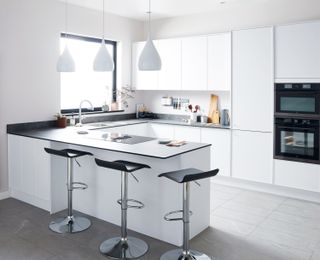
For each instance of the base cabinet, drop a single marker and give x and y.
(161, 131)
(186, 133)
(29, 170)
(220, 149)
(252, 157)
(297, 175)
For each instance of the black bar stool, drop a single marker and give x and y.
(124, 247)
(185, 176)
(70, 224)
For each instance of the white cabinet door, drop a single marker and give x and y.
(297, 53)
(219, 62)
(187, 133)
(29, 170)
(161, 131)
(297, 175)
(194, 63)
(252, 92)
(170, 73)
(220, 149)
(142, 80)
(133, 129)
(252, 157)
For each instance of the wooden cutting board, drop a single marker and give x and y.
(213, 116)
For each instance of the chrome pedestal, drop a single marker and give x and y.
(131, 248)
(71, 223)
(177, 254)
(185, 253)
(124, 247)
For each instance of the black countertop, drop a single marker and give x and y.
(70, 135)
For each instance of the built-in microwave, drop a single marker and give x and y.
(297, 99)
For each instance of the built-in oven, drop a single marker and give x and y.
(297, 99)
(297, 139)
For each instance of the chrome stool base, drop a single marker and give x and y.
(70, 225)
(177, 254)
(131, 248)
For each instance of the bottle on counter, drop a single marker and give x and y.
(72, 121)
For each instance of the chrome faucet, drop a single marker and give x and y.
(80, 107)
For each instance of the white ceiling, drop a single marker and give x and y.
(136, 9)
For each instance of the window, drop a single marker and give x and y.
(84, 83)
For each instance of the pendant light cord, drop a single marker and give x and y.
(149, 17)
(66, 18)
(102, 20)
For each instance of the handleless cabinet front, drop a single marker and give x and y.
(252, 92)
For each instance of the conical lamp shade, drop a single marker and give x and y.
(103, 60)
(65, 62)
(149, 59)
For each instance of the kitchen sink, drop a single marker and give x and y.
(98, 125)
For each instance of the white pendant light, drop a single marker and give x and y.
(103, 60)
(149, 59)
(65, 62)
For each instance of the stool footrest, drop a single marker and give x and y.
(138, 205)
(168, 218)
(79, 186)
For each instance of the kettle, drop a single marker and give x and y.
(225, 118)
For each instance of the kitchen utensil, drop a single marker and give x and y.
(190, 107)
(197, 108)
(213, 116)
(225, 118)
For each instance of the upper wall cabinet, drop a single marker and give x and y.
(170, 73)
(297, 51)
(142, 80)
(194, 63)
(252, 92)
(219, 62)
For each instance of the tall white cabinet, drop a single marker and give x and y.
(252, 100)
(252, 92)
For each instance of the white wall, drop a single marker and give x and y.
(29, 48)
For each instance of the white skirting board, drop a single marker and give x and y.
(4, 195)
(268, 188)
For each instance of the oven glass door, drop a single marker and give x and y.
(297, 102)
(298, 142)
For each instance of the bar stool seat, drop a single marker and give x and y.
(120, 165)
(185, 176)
(71, 223)
(124, 246)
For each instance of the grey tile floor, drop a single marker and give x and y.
(245, 225)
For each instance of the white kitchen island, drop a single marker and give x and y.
(100, 200)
